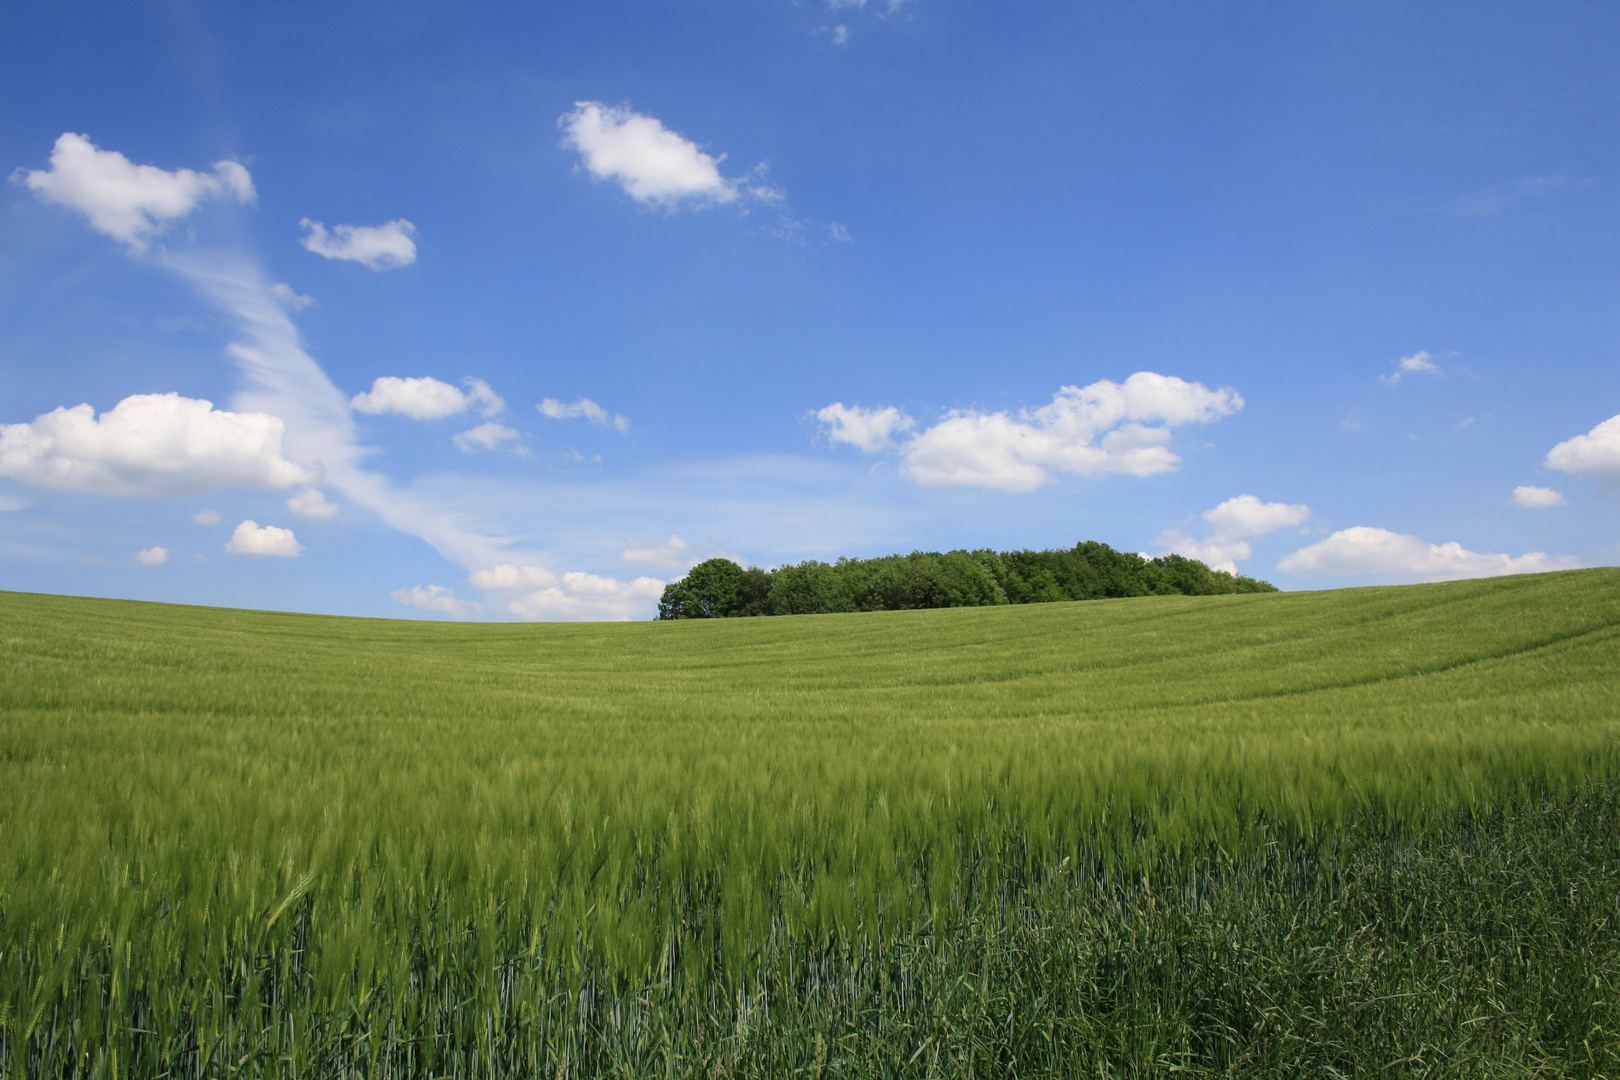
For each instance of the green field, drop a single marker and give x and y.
(1289, 834)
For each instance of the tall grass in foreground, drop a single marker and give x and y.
(293, 845)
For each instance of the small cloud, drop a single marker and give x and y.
(263, 541)
(206, 517)
(1350, 423)
(439, 598)
(1595, 455)
(376, 247)
(582, 459)
(286, 294)
(870, 430)
(311, 503)
(840, 34)
(152, 556)
(837, 233)
(672, 554)
(1418, 363)
(427, 398)
(13, 502)
(490, 436)
(1502, 198)
(125, 201)
(653, 165)
(1463, 423)
(1534, 498)
(553, 409)
(1234, 523)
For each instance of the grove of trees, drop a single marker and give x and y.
(719, 588)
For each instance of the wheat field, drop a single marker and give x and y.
(246, 843)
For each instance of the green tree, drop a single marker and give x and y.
(716, 589)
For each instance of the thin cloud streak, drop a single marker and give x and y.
(284, 380)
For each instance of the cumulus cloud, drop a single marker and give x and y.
(284, 382)
(542, 594)
(869, 429)
(553, 409)
(1531, 497)
(260, 541)
(152, 556)
(125, 201)
(672, 554)
(1363, 550)
(654, 166)
(1233, 524)
(149, 444)
(439, 598)
(1594, 456)
(1106, 427)
(1419, 363)
(490, 436)
(311, 503)
(426, 398)
(206, 517)
(376, 247)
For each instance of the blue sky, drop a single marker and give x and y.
(1325, 293)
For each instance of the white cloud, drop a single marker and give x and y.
(1497, 200)
(251, 538)
(869, 429)
(590, 410)
(290, 296)
(506, 577)
(376, 247)
(655, 166)
(125, 201)
(152, 556)
(1235, 522)
(490, 436)
(1363, 550)
(426, 398)
(1595, 455)
(439, 598)
(311, 503)
(13, 502)
(149, 444)
(1246, 516)
(1531, 497)
(672, 554)
(285, 382)
(542, 594)
(206, 517)
(1418, 363)
(1106, 427)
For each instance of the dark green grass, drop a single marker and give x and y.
(1242, 835)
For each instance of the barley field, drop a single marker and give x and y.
(1332, 833)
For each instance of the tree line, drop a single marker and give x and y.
(719, 588)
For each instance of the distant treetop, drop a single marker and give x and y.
(719, 588)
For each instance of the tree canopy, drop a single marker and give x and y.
(719, 588)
